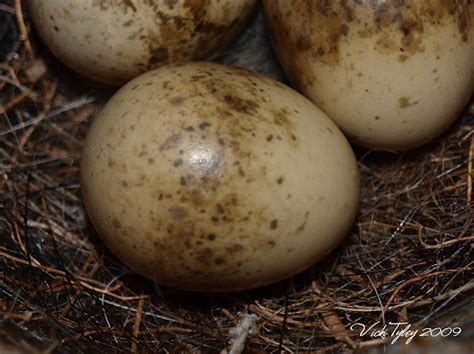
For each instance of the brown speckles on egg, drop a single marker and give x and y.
(209, 213)
(281, 119)
(380, 50)
(177, 100)
(220, 209)
(116, 223)
(204, 256)
(171, 142)
(204, 125)
(178, 163)
(274, 224)
(129, 4)
(344, 29)
(146, 33)
(302, 226)
(192, 196)
(157, 56)
(405, 102)
(197, 77)
(171, 3)
(211, 237)
(402, 58)
(219, 261)
(247, 106)
(241, 171)
(183, 181)
(111, 163)
(301, 21)
(235, 248)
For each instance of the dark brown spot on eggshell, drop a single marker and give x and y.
(204, 125)
(171, 142)
(405, 102)
(177, 100)
(116, 223)
(211, 237)
(274, 224)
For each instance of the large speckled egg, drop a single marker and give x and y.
(392, 74)
(115, 40)
(206, 177)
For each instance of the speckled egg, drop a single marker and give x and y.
(115, 40)
(206, 177)
(392, 74)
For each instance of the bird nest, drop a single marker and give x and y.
(408, 258)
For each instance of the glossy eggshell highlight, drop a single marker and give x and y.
(211, 178)
(392, 74)
(115, 40)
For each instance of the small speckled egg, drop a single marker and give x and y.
(115, 40)
(206, 177)
(392, 74)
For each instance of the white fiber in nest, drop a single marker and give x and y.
(245, 327)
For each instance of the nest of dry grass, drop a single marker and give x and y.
(409, 256)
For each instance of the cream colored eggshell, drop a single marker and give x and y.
(211, 178)
(115, 40)
(392, 75)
